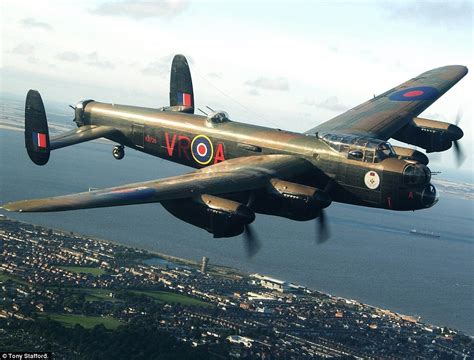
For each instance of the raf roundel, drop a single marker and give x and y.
(201, 149)
(372, 180)
(415, 94)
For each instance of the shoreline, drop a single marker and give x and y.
(188, 262)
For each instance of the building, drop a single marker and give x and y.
(273, 284)
(237, 339)
(205, 261)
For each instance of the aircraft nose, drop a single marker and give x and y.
(416, 174)
(429, 196)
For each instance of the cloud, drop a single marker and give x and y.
(93, 60)
(215, 75)
(68, 56)
(331, 103)
(437, 13)
(142, 9)
(32, 60)
(280, 84)
(156, 68)
(254, 92)
(161, 67)
(33, 23)
(24, 49)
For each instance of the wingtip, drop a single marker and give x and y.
(461, 69)
(10, 207)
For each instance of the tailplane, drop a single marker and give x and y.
(36, 129)
(181, 86)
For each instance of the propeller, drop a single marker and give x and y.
(252, 245)
(322, 229)
(458, 117)
(460, 156)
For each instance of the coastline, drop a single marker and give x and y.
(227, 270)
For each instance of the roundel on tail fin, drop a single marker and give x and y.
(36, 129)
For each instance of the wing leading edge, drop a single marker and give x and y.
(231, 176)
(384, 115)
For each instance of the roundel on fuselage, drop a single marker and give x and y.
(202, 149)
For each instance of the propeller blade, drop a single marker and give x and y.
(72, 107)
(252, 245)
(322, 229)
(458, 117)
(460, 157)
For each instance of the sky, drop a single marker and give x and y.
(290, 65)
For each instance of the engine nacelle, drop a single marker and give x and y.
(291, 200)
(431, 135)
(221, 217)
(411, 154)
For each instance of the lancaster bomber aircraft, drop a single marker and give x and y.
(245, 169)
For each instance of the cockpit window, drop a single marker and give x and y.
(369, 156)
(384, 150)
(373, 150)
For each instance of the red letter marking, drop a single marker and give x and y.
(219, 156)
(170, 147)
(183, 145)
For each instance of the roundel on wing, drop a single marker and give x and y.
(415, 94)
(201, 149)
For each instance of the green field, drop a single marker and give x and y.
(97, 294)
(4, 277)
(87, 322)
(95, 271)
(171, 298)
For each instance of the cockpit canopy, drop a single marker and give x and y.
(359, 148)
(217, 117)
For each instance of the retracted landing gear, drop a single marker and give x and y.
(118, 152)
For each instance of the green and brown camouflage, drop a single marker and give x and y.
(244, 169)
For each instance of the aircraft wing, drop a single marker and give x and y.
(384, 115)
(79, 135)
(230, 176)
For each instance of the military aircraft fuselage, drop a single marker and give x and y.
(244, 169)
(358, 173)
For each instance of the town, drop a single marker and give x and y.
(79, 282)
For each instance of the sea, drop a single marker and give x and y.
(371, 256)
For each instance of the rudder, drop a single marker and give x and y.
(36, 129)
(181, 86)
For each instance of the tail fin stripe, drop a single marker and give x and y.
(35, 139)
(184, 99)
(39, 140)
